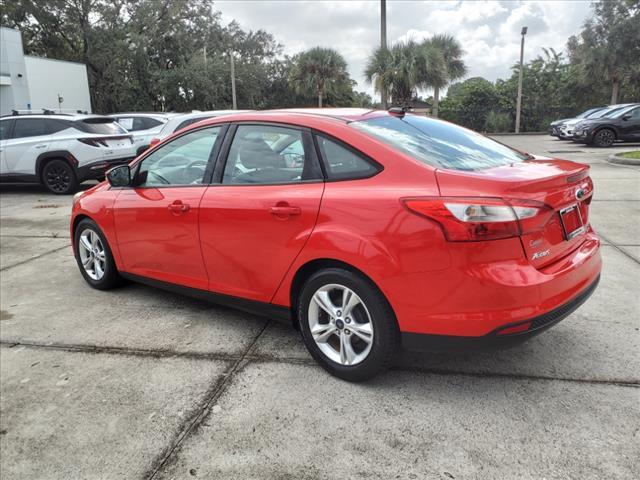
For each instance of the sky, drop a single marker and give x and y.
(489, 31)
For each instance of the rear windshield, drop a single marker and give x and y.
(101, 126)
(439, 144)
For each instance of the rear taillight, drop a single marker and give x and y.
(93, 142)
(471, 219)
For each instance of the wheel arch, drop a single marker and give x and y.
(46, 157)
(309, 268)
(607, 127)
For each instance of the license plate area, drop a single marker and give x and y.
(571, 220)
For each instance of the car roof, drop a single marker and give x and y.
(56, 116)
(144, 114)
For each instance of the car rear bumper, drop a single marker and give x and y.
(489, 287)
(506, 336)
(97, 170)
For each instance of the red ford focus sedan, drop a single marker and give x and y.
(367, 230)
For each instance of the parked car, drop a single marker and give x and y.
(178, 122)
(567, 129)
(393, 229)
(60, 151)
(620, 125)
(554, 127)
(143, 126)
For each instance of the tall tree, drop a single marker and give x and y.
(454, 67)
(320, 70)
(609, 44)
(400, 70)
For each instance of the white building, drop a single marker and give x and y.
(35, 83)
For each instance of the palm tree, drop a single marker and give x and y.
(397, 69)
(454, 67)
(320, 70)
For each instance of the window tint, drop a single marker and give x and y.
(30, 127)
(5, 129)
(55, 126)
(101, 126)
(180, 162)
(259, 155)
(635, 114)
(145, 123)
(342, 163)
(439, 144)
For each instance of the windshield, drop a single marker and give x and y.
(589, 112)
(617, 113)
(439, 144)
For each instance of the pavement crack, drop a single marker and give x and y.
(214, 394)
(619, 248)
(3, 269)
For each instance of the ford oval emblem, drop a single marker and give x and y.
(580, 193)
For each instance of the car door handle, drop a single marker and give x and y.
(284, 210)
(42, 145)
(179, 207)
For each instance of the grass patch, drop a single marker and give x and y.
(635, 154)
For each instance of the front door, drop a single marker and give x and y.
(630, 125)
(257, 217)
(30, 139)
(157, 219)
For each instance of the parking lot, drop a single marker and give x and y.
(140, 383)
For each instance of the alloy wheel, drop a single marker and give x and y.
(92, 254)
(605, 138)
(57, 178)
(340, 324)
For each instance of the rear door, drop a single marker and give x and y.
(262, 207)
(157, 220)
(30, 139)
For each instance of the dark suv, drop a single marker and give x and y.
(622, 125)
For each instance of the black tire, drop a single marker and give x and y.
(604, 137)
(111, 278)
(386, 335)
(59, 178)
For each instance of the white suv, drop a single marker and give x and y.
(60, 151)
(142, 126)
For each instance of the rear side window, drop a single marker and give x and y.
(135, 124)
(5, 129)
(439, 144)
(258, 156)
(342, 163)
(100, 126)
(55, 126)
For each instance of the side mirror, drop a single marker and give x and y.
(626, 116)
(119, 176)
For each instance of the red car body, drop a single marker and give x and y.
(251, 245)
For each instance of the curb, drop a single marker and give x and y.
(623, 161)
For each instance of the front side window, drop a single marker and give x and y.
(30, 127)
(264, 154)
(5, 129)
(342, 163)
(182, 161)
(439, 144)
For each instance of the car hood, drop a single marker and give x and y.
(558, 122)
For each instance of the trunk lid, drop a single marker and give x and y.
(563, 186)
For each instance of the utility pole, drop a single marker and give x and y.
(233, 82)
(519, 100)
(383, 44)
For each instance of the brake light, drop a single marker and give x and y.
(470, 219)
(93, 142)
(154, 142)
